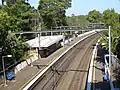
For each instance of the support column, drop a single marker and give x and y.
(39, 34)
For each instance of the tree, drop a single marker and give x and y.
(76, 20)
(15, 17)
(10, 2)
(9, 42)
(94, 16)
(53, 12)
(23, 14)
(110, 17)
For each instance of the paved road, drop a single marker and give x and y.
(74, 74)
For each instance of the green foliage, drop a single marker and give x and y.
(15, 17)
(6, 24)
(10, 2)
(24, 15)
(114, 38)
(76, 20)
(22, 12)
(53, 12)
(9, 43)
(18, 15)
(110, 17)
(94, 16)
(14, 46)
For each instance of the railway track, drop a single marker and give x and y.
(75, 78)
(70, 72)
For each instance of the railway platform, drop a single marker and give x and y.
(100, 81)
(29, 72)
(100, 77)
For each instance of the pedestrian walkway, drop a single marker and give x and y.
(98, 80)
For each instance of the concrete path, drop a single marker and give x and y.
(98, 82)
(98, 74)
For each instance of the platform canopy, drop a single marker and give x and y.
(45, 41)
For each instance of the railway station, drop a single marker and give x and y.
(48, 44)
(59, 44)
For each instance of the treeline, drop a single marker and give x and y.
(15, 16)
(109, 17)
(76, 20)
(53, 12)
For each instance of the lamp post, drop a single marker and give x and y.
(5, 81)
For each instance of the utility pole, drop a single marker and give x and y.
(39, 34)
(110, 47)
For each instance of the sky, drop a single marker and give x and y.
(82, 7)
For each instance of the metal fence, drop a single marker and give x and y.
(113, 71)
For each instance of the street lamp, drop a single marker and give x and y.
(5, 81)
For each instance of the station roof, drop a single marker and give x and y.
(45, 41)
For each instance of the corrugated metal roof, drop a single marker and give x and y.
(45, 41)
